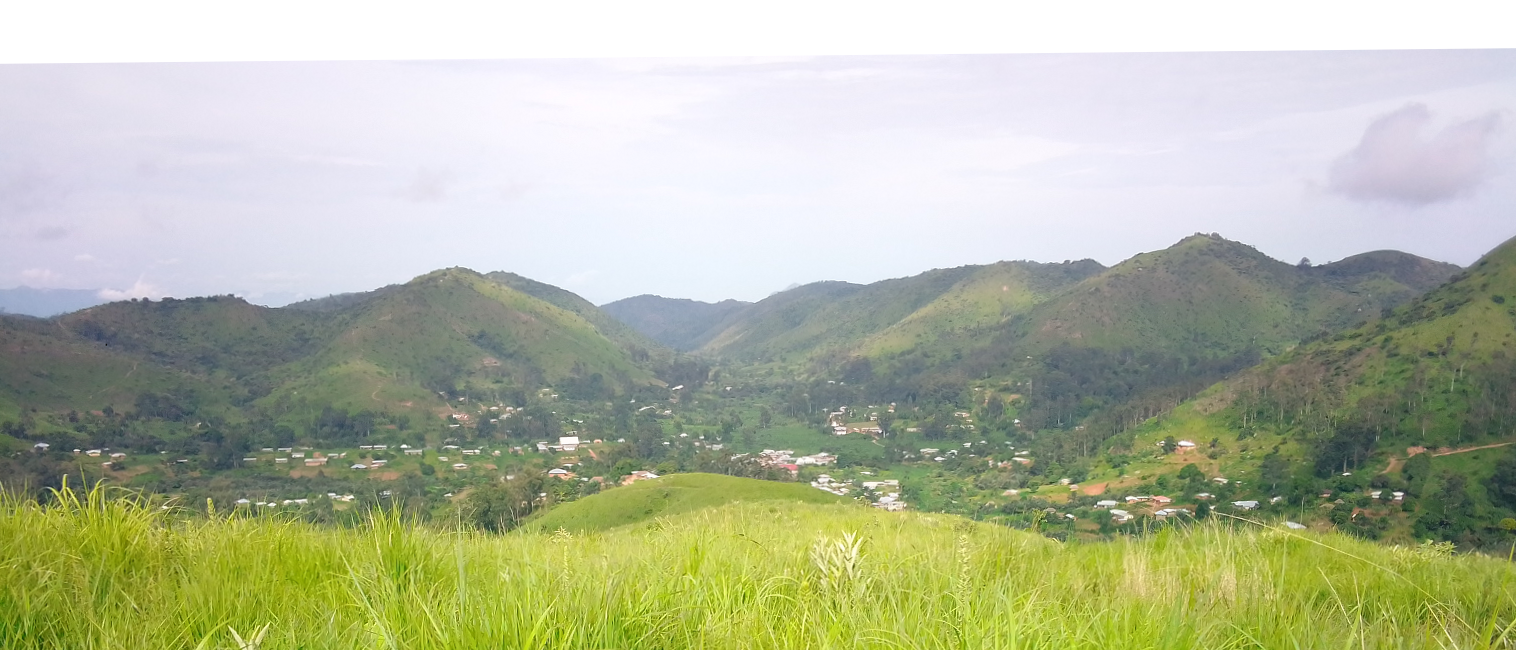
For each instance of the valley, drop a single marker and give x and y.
(1080, 401)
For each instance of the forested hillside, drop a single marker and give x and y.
(1422, 400)
(389, 351)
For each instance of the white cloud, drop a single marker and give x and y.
(84, 257)
(1393, 162)
(140, 289)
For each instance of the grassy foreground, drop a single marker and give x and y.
(97, 573)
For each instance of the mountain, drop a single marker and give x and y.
(1437, 374)
(391, 349)
(831, 321)
(679, 323)
(1211, 297)
(43, 303)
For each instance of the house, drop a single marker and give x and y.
(1220, 481)
(358, 466)
(822, 458)
(460, 466)
(1185, 445)
(1204, 496)
(472, 452)
(1245, 505)
(559, 472)
(377, 463)
(315, 462)
(118, 456)
(298, 454)
(637, 476)
(1162, 500)
(41, 446)
(243, 502)
(414, 452)
(1294, 525)
(1105, 503)
(1120, 516)
(1136, 499)
(568, 443)
(93, 452)
(281, 460)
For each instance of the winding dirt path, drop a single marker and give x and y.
(1397, 463)
(1467, 449)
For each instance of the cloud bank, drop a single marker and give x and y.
(1393, 162)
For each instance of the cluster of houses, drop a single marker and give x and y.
(786, 459)
(883, 494)
(838, 420)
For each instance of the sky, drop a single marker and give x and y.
(720, 177)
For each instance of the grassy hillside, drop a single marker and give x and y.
(43, 367)
(751, 575)
(451, 327)
(679, 323)
(387, 350)
(1437, 373)
(670, 495)
(1213, 296)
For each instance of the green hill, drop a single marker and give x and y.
(1437, 373)
(1213, 296)
(679, 323)
(833, 321)
(389, 350)
(670, 495)
(448, 329)
(44, 367)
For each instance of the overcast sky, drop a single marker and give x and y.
(733, 178)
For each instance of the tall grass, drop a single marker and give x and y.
(91, 572)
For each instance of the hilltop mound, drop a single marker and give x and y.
(670, 495)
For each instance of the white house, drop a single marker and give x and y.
(459, 466)
(568, 443)
(1245, 505)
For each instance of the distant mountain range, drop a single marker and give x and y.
(1205, 295)
(47, 302)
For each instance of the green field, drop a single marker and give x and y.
(670, 495)
(93, 573)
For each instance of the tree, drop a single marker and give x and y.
(1503, 481)
(765, 416)
(1203, 510)
(1416, 470)
(1273, 470)
(1170, 444)
(1191, 474)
